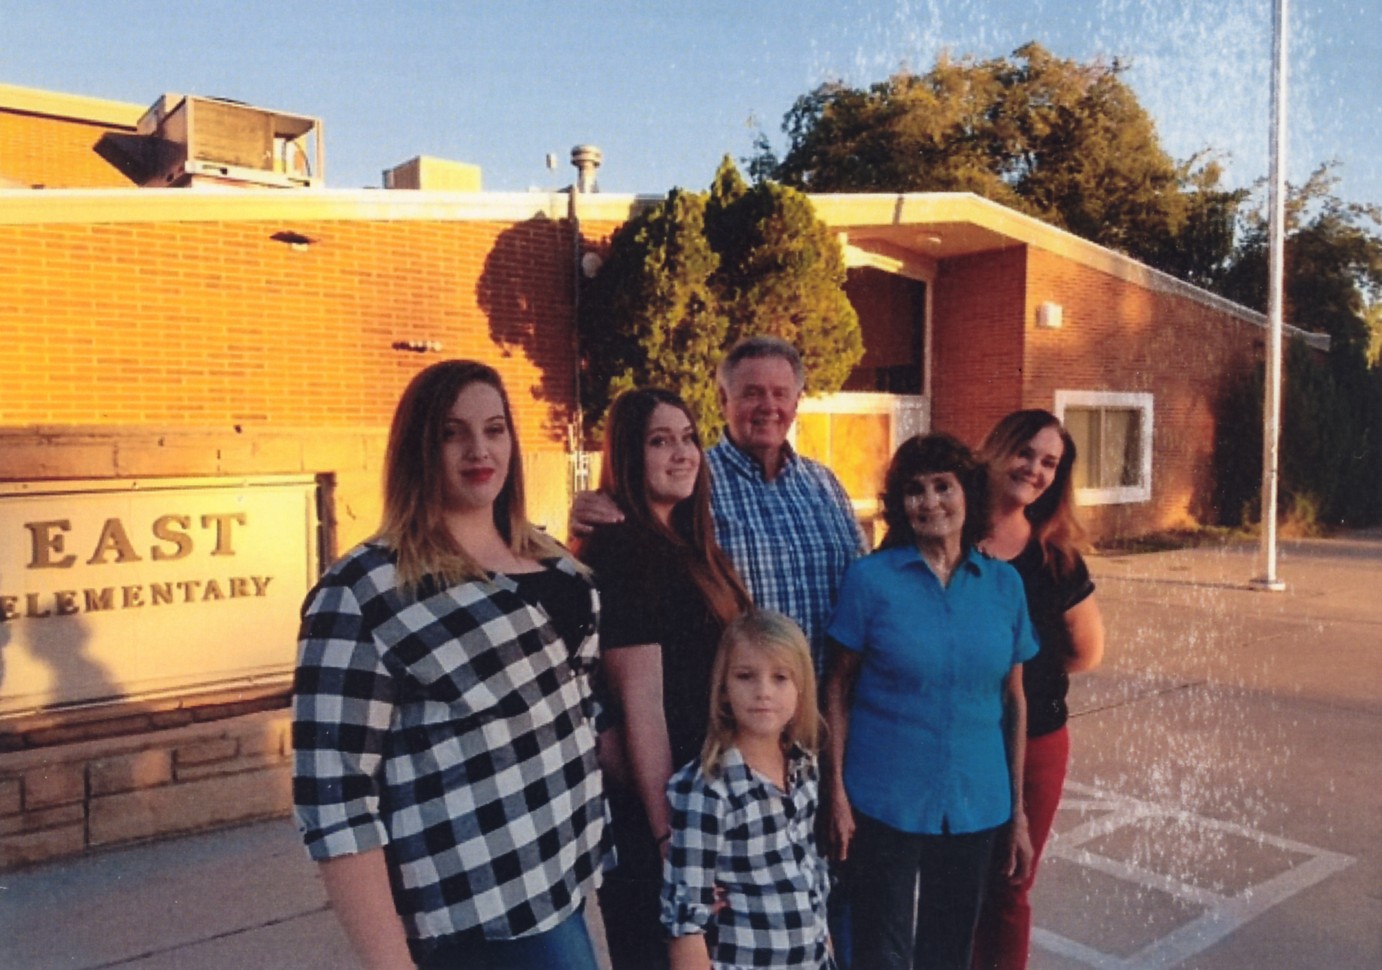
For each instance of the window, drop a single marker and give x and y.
(855, 435)
(1113, 438)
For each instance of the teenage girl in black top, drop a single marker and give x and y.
(667, 591)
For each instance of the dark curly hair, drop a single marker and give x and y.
(931, 454)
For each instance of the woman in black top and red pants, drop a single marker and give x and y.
(1033, 526)
(667, 591)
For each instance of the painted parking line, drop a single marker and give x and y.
(1221, 910)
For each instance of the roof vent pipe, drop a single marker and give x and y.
(587, 159)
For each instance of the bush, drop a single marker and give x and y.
(1331, 459)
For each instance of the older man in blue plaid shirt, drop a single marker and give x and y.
(784, 520)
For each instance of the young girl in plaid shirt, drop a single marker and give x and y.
(744, 885)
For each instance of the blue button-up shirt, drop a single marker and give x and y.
(926, 750)
(791, 539)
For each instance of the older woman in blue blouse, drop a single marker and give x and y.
(926, 714)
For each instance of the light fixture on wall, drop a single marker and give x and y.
(418, 346)
(295, 241)
(1048, 315)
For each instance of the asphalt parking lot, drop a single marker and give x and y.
(1223, 809)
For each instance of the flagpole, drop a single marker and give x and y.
(1276, 228)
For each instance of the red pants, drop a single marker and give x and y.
(1003, 937)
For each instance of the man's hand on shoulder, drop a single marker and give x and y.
(589, 511)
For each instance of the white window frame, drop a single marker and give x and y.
(1139, 401)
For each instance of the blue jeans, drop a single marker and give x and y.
(565, 947)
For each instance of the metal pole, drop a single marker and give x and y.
(1276, 229)
(575, 429)
(586, 159)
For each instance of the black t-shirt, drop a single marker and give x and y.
(647, 595)
(1044, 679)
(563, 597)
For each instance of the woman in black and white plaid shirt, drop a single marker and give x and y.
(445, 773)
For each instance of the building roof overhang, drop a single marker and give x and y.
(215, 204)
(912, 233)
(72, 107)
(908, 233)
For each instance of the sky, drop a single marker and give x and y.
(666, 89)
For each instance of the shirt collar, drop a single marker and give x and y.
(736, 773)
(747, 465)
(907, 556)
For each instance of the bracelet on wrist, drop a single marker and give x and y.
(664, 837)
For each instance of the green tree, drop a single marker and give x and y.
(689, 276)
(1374, 319)
(650, 316)
(1332, 408)
(1202, 250)
(910, 133)
(1315, 441)
(1237, 457)
(1061, 140)
(782, 273)
(1333, 262)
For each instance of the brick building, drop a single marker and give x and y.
(198, 385)
(974, 310)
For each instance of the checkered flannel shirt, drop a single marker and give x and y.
(452, 728)
(790, 539)
(739, 831)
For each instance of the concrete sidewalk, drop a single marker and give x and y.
(1222, 810)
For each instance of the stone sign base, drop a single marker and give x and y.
(68, 799)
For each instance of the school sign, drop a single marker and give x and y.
(115, 591)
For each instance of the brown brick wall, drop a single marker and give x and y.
(1118, 336)
(217, 324)
(977, 364)
(63, 800)
(891, 311)
(57, 153)
(207, 348)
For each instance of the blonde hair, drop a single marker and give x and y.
(413, 523)
(782, 640)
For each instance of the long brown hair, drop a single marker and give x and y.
(692, 530)
(778, 636)
(1055, 523)
(413, 523)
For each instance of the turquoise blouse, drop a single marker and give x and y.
(926, 752)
